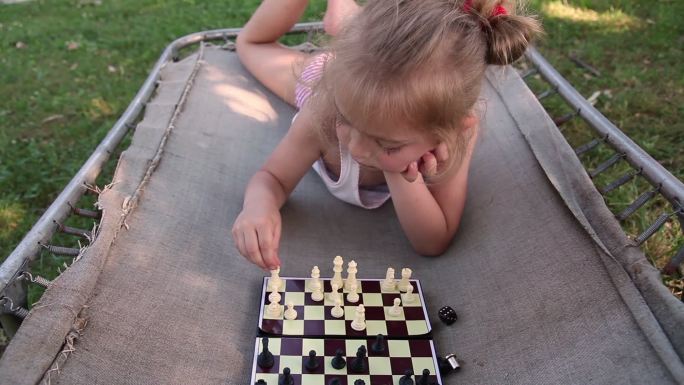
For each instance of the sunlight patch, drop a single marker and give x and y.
(246, 103)
(614, 19)
(10, 217)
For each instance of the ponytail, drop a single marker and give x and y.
(507, 34)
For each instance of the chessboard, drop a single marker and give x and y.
(379, 368)
(335, 331)
(315, 319)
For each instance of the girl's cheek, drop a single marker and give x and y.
(342, 133)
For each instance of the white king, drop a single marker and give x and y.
(337, 270)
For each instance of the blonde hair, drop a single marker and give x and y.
(419, 62)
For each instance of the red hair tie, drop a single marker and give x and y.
(498, 10)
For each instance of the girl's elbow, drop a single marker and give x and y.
(433, 249)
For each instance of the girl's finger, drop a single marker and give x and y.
(265, 239)
(442, 152)
(276, 241)
(252, 248)
(411, 173)
(429, 166)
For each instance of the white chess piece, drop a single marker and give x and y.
(388, 284)
(274, 296)
(335, 294)
(353, 295)
(351, 275)
(405, 275)
(359, 322)
(315, 278)
(317, 294)
(337, 311)
(275, 281)
(395, 310)
(273, 310)
(409, 297)
(337, 270)
(290, 313)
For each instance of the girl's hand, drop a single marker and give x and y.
(428, 164)
(256, 234)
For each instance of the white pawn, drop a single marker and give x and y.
(388, 284)
(290, 313)
(409, 297)
(337, 311)
(395, 311)
(405, 275)
(317, 294)
(335, 295)
(353, 295)
(315, 278)
(274, 296)
(273, 310)
(351, 275)
(275, 281)
(337, 270)
(359, 322)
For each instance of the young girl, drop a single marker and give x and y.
(387, 111)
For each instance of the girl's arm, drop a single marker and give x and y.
(430, 214)
(256, 231)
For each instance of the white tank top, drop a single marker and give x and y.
(346, 187)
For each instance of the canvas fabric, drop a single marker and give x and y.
(547, 287)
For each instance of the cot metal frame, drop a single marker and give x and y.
(14, 271)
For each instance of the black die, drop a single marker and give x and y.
(447, 315)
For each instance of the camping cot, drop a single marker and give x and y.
(548, 288)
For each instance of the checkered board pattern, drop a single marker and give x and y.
(314, 318)
(383, 369)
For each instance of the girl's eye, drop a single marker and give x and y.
(388, 150)
(391, 150)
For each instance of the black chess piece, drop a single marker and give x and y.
(312, 363)
(358, 364)
(260, 381)
(335, 381)
(265, 358)
(338, 362)
(286, 378)
(379, 344)
(359, 382)
(423, 380)
(406, 378)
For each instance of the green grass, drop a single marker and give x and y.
(636, 45)
(70, 68)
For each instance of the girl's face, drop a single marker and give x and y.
(386, 147)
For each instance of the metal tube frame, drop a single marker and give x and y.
(43, 230)
(670, 187)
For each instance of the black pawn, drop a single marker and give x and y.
(265, 358)
(359, 382)
(335, 381)
(423, 380)
(406, 378)
(358, 364)
(312, 363)
(261, 381)
(379, 344)
(338, 361)
(286, 378)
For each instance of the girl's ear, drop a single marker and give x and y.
(469, 121)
